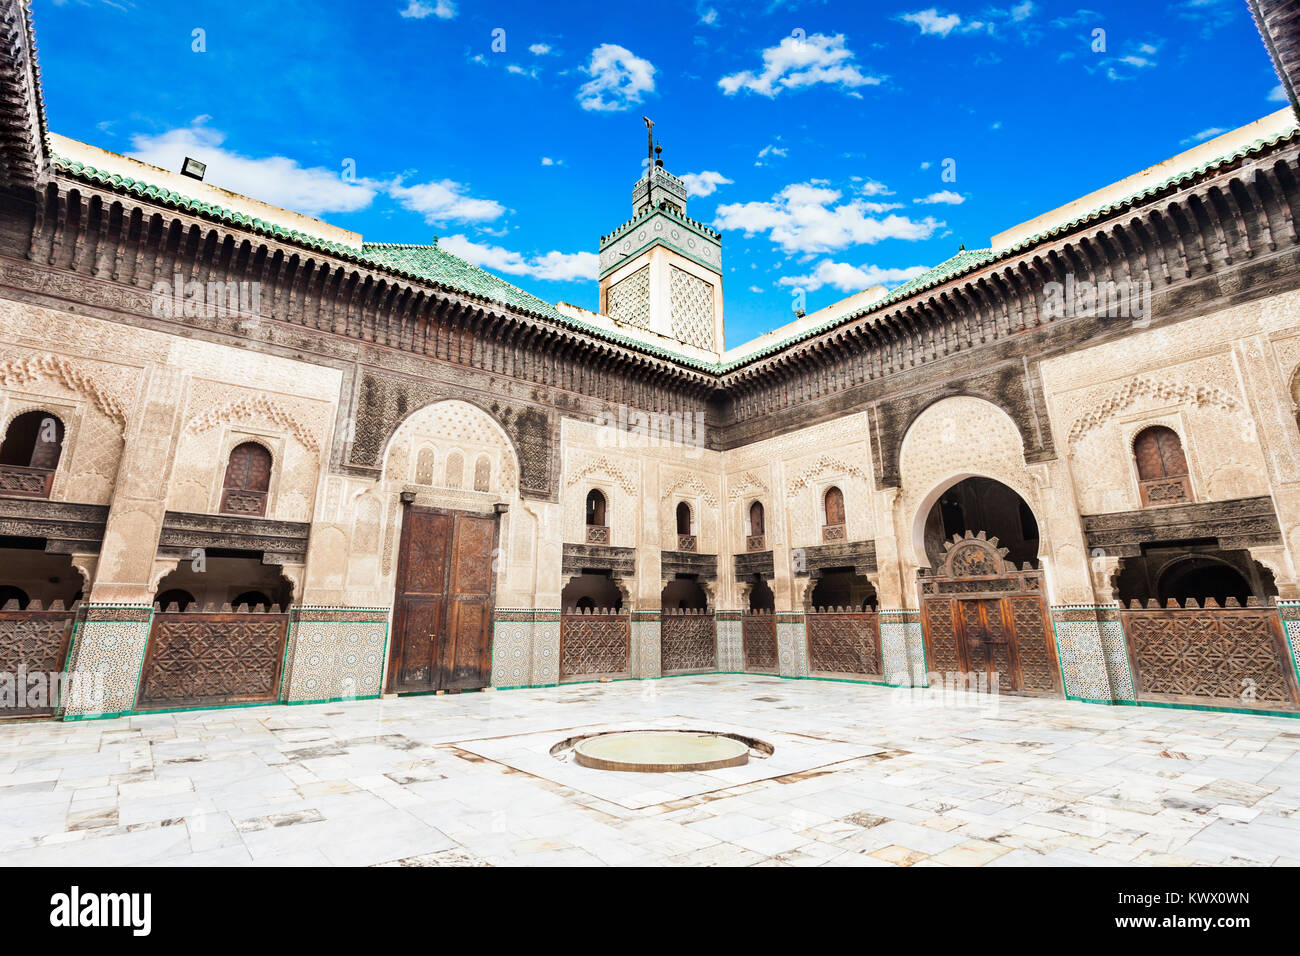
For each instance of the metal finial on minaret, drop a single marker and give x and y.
(649, 142)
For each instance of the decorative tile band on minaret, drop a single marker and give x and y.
(661, 270)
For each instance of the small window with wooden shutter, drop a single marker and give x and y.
(756, 540)
(597, 529)
(1161, 466)
(29, 454)
(833, 529)
(248, 478)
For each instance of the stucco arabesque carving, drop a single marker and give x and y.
(602, 465)
(823, 466)
(690, 482)
(247, 408)
(23, 372)
(1145, 387)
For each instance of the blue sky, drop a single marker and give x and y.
(815, 135)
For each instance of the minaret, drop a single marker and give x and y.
(662, 271)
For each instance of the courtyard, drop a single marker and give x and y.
(860, 775)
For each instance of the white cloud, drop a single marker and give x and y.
(806, 217)
(1204, 134)
(419, 9)
(945, 197)
(932, 23)
(1277, 94)
(444, 201)
(873, 187)
(756, 288)
(709, 17)
(539, 49)
(278, 180)
(771, 149)
(795, 63)
(850, 278)
(704, 183)
(548, 161)
(1138, 57)
(619, 78)
(557, 266)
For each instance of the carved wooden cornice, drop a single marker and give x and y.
(755, 562)
(620, 562)
(281, 542)
(703, 566)
(66, 526)
(1237, 523)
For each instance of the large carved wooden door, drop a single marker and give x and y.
(444, 602)
(984, 618)
(468, 646)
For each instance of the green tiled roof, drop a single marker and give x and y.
(969, 260)
(433, 265)
(424, 263)
(439, 266)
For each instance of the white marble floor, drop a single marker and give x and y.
(861, 776)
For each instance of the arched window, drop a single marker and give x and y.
(756, 540)
(683, 518)
(455, 470)
(1161, 466)
(29, 455)
(482, 473)
(595, 508)
(833, 530)
(597, 530)
(685, 537)
(248, 478)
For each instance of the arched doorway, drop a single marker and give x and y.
(687, 640)
(208, 646)
(983, 611)
(758, 628)
(595, 632)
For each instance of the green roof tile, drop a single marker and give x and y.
(431, 264)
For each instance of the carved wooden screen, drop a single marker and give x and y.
(843, 642)
(248, 477)
(33, 642)
(687, 641)
(1162, 467)
(983, 616)
(758, 637)
(1223, 655)
(443, 616)
(595, 643)
(203, 658)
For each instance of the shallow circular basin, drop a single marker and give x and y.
(659, 751)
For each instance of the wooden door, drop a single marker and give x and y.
(467, 648)
(988, 642)
(443, 620)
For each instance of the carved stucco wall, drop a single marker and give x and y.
(219, 416)
(1223, 381)
(358, 525)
